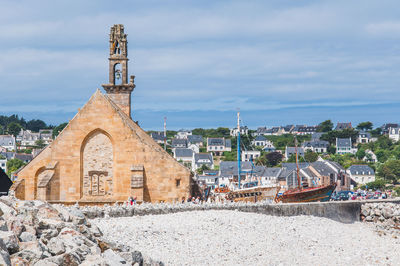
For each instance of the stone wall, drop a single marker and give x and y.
(385, 216)
(346, 212)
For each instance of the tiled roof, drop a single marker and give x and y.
(357, 169)
(183, 153)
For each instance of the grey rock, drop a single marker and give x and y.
(95, 260)
(132, 258)
(10, 240)
(113, 258)
(77, 216)
(3, 224)
(35, 247)
(26, 237)
(56, 247)
(4, 258)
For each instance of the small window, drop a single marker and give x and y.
(178, 182)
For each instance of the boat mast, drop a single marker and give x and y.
(297, 163)
(238, 147)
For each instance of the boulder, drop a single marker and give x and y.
(133, 258)
(10, 240)
(15, 224)
(4, 258)
(387, 212)
(113, 258)
(95, 260)
(46, 211)
(26, 237)
(3, 224)
(36, 248)
(77, 216)
(56, 246)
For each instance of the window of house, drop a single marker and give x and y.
(178, 182)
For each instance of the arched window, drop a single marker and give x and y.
(97, 164)
(117, 74)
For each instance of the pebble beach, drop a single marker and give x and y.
(223, 237)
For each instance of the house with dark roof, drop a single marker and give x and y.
(218, 145)
(316, 135)
(344, 145)
(250, 156)
(289, 151)
(260, 140)
(394, 133)
(183, 134)
(320, 146)
(304, 130)
(341, 126)
(179, 143)
(200, 159)
(361, 174)
(184, 155)
(385, 127)
(195, 139)
(363, 137)
(243, 131)
(8, 142)
(158, 137)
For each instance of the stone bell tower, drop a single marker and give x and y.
(118, 88)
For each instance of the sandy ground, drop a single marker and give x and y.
(237, 238)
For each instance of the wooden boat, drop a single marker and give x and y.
(300, 194)
(313, 194)
(254, 194)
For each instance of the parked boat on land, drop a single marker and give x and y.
(300, 194)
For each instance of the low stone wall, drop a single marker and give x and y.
(344, 211)
(385, 216)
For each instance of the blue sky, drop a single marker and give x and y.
(196, 62)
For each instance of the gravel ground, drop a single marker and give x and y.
(237, 238)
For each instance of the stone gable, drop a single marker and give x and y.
(102, 156)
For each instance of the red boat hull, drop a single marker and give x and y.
(316, 194)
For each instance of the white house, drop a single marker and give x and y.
(269, 146)
(8, 142)
(200, 159)
(218, 145)
(259, 141)
(158, 137)
(183, 134)
(370, 157)
(292, 150)
(363, 137)
(344, 146)
(320, 146)
(243, 131)
(184, 155)
(194, 147)
(394, 133)
(248, 156)
(361, 174)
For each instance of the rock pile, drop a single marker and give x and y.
(385, 216)
(37, 233)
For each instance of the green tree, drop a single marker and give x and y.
(35, 125)
(14, 128)
(13, 165)
(58, 129)
(202, 168)
(272, 159)
(360, 153)
(40, 143)
(390, 170)
(365, 126)
(376, 132)
(325, 126)
(310, 156)
(292, 159)
(375, 185)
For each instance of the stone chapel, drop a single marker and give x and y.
(103, 156)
